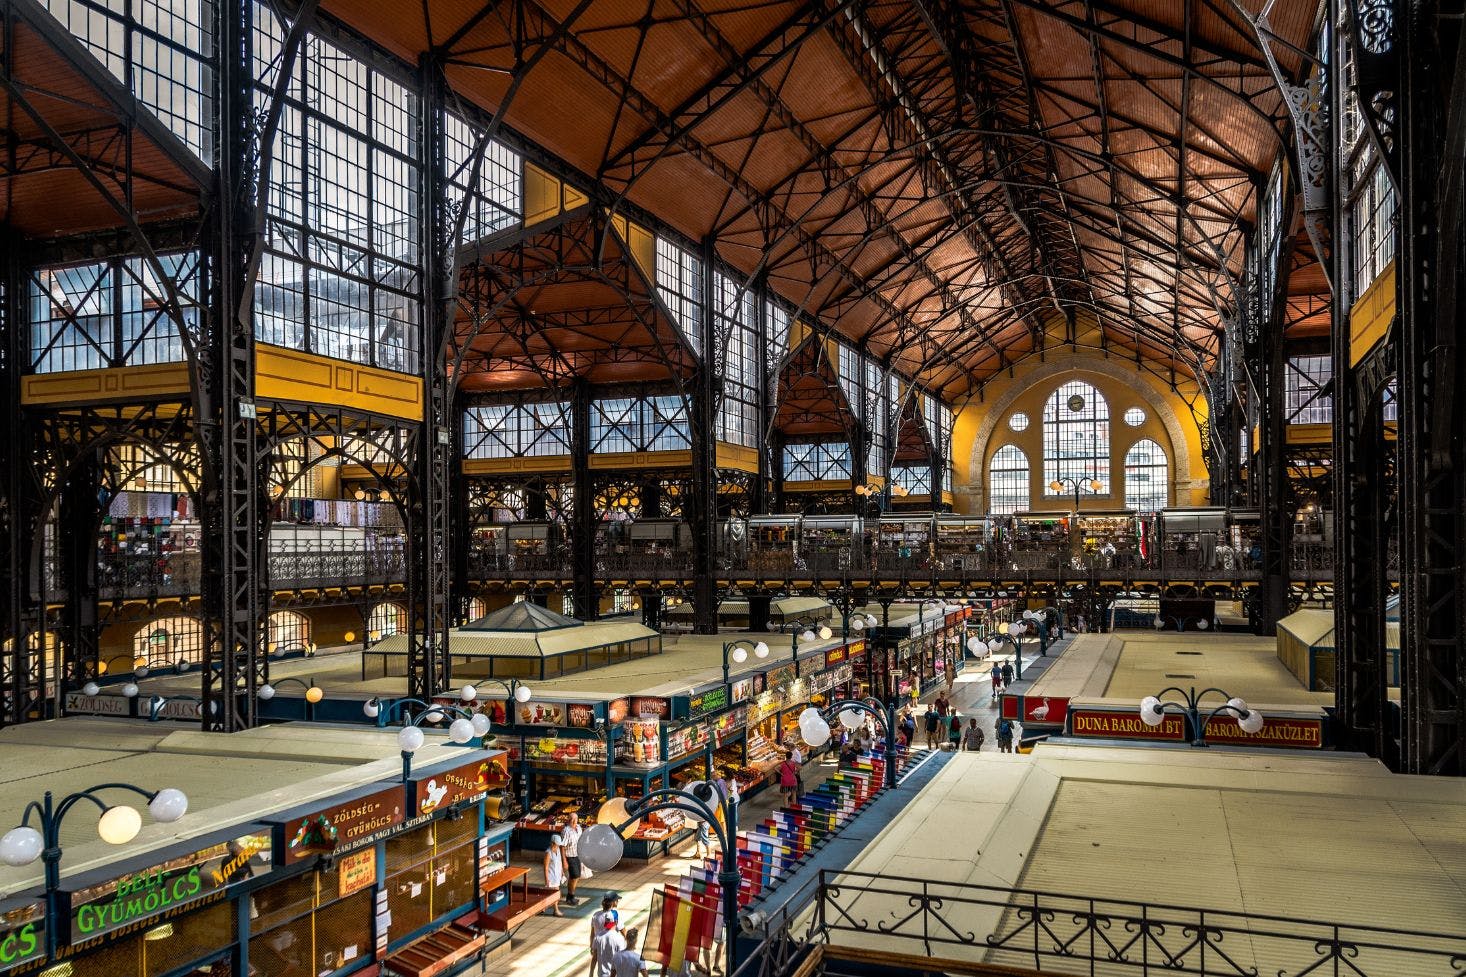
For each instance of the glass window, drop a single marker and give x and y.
(916, 480)
(1018, 422)
(386, 620)
(816, 462)
(1303, 390)
(739, 420)
(639, 424)
(166, 642)
(1135, 417)
(498, 202)
(877, 419)
(778, 324)
(679, 283)
(516, 430)
(1076, 436)
(288, 631)
(1146, 477)
(1008, 480)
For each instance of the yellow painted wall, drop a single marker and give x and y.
(1122, 386)
(1370, 318)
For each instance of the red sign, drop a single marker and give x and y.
(645, 705)
(1011, 706)
(343, 825)
(835, 655)
(1048, 710)
(1297, 734)
(481, 774)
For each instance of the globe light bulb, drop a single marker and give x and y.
(468, 693)
(761, 650)
(1238, 703)
(806, 636)
(817, 734)
(409, 739)
(857, 624)
(141, 671)
(168, 805)
(91, 688)
(523, 694)
(461, 730)
(481, 724)
(314, 694)
(21, 846)
(1252, 722)
(119, 825)
(267, 692)
(181, 665)
(850, 719)
(825, 633)
(130, 690)
(372, 708)
(739, 655)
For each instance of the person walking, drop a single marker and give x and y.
(908, 726)
(973, 737)
(1005, 736)
(933, 723)
(571, 832)
(628, 962)
(954, 731)
(608, 910)
(555, 868)
(789, 780)
(997, 674)
(1007, 674)
(943, 706)
(604, 947)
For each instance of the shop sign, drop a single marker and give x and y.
(580, 715)
(343, 826)
(356, 872)
(822, 682)
(836, 655)
(708, 701)
(743, 690)
(537, 713)
(96, 705)
(162, 889)
(647, 706)
(1304, 734)
(782, 675)
(729, 724)
(470, 780)
(843, 675)
(177, 709)
(855, 649)
(22, 933)
(617, 710)
(1047, 710)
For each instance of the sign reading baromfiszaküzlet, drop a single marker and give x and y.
(1293, 733)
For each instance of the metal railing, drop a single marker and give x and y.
(142, 575)
(1060, 933)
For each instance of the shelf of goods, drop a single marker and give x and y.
(659, 832)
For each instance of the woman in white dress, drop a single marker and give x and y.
(555, 867)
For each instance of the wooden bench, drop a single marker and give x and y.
(438, 951)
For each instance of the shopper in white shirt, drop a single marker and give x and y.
(571, 833)
(628, 962)
(608, 911)
(603, 948)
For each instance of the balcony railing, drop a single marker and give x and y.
(1060, 933)
(123, 576)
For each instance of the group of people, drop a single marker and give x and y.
(613, 953)
(1002, 675)
(562, 861)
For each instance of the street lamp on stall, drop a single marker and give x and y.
(464, 729)
(603, 843)
(313, 692)
(117, 825)
(1010, 633)
(737, 652)
(1092, 485)
(802, 631)
(857, 622)
(1159, 622)
(1153, 711)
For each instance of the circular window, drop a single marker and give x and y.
(1135, 417)
(1019, 421)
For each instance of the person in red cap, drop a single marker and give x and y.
(605, 946)
(608, 917)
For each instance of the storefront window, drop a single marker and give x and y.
(430, 874)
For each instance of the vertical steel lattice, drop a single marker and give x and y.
(235, 593)
(702, 513)
(583, 512)
(1431, 125)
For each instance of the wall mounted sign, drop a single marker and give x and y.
(1047, 710)
(782, 675)
(646, 707)
(617, 710)
(743, 690)
(1305, 734)
(343, 826)
(580, 715)
(22, 932)
(485, 772)
(96, 705)
(356, 872)
(836, 655)
(538, 713)
(164, 888)
(708, 701)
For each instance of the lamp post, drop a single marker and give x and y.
(1011, 633)
(856, 622)
(884, 713)
(117, 825)
(738, 650)
(313, 692)
(1153, 710)
(466, 726)
(603, 844)
(1159, 622)
(801, 631)
(1094, 485)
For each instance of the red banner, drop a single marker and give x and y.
(1124, 726)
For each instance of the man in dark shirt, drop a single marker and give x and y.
(933, 724)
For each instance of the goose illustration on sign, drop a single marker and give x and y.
(1047, 710)
(471, 780)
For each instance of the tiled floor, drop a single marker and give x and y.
(548, 946)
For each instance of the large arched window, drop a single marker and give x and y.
(386, 620)
(1146, 476)
(289, 631)
(1076, 437)
(1008, 480)
(169, 641)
